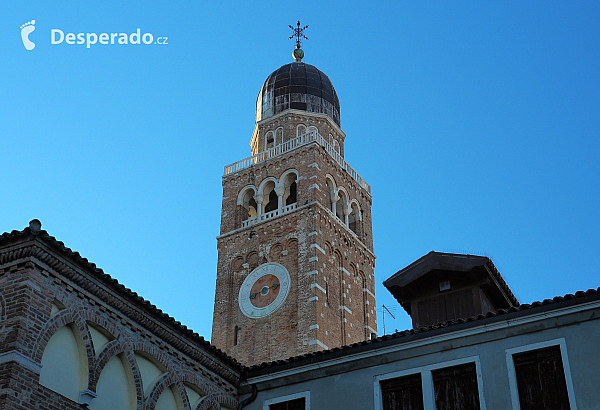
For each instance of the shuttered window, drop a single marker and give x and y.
(456, 388)
(541, 379)
(402, 393)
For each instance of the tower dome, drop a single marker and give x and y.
(298, 86)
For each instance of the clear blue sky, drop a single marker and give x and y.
(476, 124)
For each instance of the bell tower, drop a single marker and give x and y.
(296, 262)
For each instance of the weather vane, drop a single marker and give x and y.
(298, 32)
(298, 54)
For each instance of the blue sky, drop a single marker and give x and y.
(476, 124)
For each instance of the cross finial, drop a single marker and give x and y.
(298, 33)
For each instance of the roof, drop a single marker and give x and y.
(34, 233)
(297, 86)
(480, 267)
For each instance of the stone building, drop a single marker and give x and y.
(71, 337)
(296, 261)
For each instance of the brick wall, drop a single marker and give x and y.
(36, 273)
(331, 302)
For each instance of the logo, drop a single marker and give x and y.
(26, 30)
(57, 36)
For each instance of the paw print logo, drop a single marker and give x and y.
(27, 29)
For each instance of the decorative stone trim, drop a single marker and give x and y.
(318, 343)
(21, 359)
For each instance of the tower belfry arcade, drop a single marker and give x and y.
(295, 265)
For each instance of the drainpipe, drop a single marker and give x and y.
(250, 399)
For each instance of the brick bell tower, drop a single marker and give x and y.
(295, 266)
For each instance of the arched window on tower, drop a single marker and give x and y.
(340, 209)
(354, 218)
(247, 205)
(330, 194)
(269, 140)
(279, 136)
(289, 194)
(300, 130)
(269, 192)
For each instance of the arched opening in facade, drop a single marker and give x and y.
(354, 218)
(269, 140)
(290, 189)
(342, 203)
(270, 197)
(248, 204)
(64, 363)
(116, 386)
(330, 193)
(300, 130)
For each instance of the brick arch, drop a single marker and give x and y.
(137, 378)
(225, 399)
(186, 376)
(63, 318)
(292, 245)
(329, 249)
(112, 349)
(208, 403)
(213, 394)
(275, 252)
(253, 259)
(236, 264)
(339, 257)
(145, 347)
(92, 316)
(165, 381)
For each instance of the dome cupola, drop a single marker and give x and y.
(297, 86)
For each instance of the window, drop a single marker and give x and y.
(450, 385)
(540, 379)
(297, 401)
(402, 393)
(455, 387)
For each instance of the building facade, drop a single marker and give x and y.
(71, 337)
(538, 356)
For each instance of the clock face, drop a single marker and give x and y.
(264, 290)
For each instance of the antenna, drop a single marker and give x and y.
(383, 310)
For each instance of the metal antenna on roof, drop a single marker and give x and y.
(298, 54)
(383, 310)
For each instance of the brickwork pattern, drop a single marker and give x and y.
(332, 298)
(33, 278)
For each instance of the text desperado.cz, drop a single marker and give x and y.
(58, 36)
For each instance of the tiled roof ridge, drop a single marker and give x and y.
(112, 283)
(501, 281)
(408, 332)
